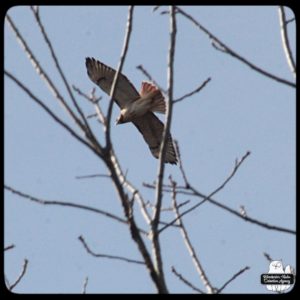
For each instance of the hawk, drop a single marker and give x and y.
(135, 107)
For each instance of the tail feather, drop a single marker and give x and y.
(157, 102)
(154, 96)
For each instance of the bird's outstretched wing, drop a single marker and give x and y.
(149, 125)
(103, 76)
(152, 130)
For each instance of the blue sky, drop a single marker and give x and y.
(239, 110)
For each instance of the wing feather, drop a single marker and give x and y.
(103, 76)
(152, 130)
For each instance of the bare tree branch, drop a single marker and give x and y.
(59, 69)
(9, 247)
(68, 204)
(238, 163)
(236, 213)
(23, 271)
(191, 191)
(43, 75)
(232, 278)
(232, 53)
(184, 280)
(128, 185)
(48, 110)
(88, 249)
(95, 101)
(93, 115)
(165, 209)
(119, 181)
(155, 8)
(187, 185)
(89, 98)
(118, 71)
(117, 175)
(198, 89)
(285, 40)
(290, 20)
(92, 176)
(200, 270)
(195, 192)
(162, 153)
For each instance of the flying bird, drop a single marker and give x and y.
(135, 107)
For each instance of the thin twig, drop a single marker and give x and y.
(232, 52)
(95, 101)
(68, 204)
(268, 257)
(7, 282)
(184, 280)
(84, 95)
(290, 20)
(238, 163)
(99, 112)
(165, 209)
(285, 40)
(198, 89)
(90, 116)
(200, 270)
(88, 249)
(232, 278)
(191, 191)
(92, 176)
(9, 247)
(236, 213)
(150, 78)
(189, 186)
(23, 271)
(224, 207)
(129, 186)
(180, 164)
(155, 8)
(85, 283)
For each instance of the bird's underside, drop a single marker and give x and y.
(135, 107)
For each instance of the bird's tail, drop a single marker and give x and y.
(154, 97)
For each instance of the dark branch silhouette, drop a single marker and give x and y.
(185, 281)
(219, 45)
(185, 236)
(18, 280)
(67, 204)
(88, 249)
(9, 247)
(197, 90)
(233, 278)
